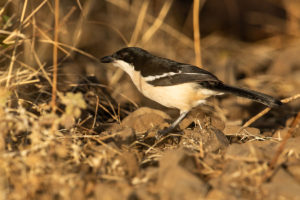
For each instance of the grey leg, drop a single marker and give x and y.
(173, 125)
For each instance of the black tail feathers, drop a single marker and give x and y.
(246, 93)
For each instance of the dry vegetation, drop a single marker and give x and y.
(73, 128)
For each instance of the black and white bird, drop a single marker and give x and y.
(174, 84)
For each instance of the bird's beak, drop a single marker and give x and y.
(107, 59)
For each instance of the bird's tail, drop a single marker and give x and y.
(250, 94)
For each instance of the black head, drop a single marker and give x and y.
(129, 54)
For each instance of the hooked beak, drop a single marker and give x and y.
(107, 59)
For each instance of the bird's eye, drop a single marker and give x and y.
(121, 55)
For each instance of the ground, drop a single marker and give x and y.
(98, 142)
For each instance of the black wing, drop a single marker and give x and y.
(160, 71)
(184, 74)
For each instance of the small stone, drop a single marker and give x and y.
(240, 131)
(211, 138)
(282, 185)
(144, 119)
(175, 182)
(198, 116)
(295, 171)
(125, 136)
(218, 194)
(253, 151)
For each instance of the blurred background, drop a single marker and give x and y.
(72, 153)
(249, 43)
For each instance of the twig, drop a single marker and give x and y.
(139, 23)
(79, 4)
(197, 46)
(106, 110)
(41, 66)
(96, 138)
(54, 86)
(13, 57)
(158, 21)
(265, 111)
(162, 139)
(79, 27)
(71, 48)
(23, 11)
(256, 117)
(22, 64)
(4, 7)
(280, 149)
(113, 109)
(12, 61)
(284, 140)
(149, 18)
(67, 16)
(107, 146)
(35, 10)
(48, 39)
(96, 112)
(289, 99)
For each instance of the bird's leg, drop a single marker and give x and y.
(173, 125)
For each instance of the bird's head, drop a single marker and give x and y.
(130, 55)
(128, 59)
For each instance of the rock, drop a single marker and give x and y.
(291, 151)
(252, 151)
(124, 135)
(175, 182)
(282, 185)
(295, 171)
(198, 116)
(144, 119)
(280, 134)
(141, 193)
(292, 146)
(218, 123)
(106, 191)
(234, 131)
(130, 163)
(211, 138)
(218, 194)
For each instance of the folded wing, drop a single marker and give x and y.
(184, 74)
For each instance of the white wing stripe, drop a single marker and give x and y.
(152, 78)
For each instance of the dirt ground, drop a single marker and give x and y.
(100, 142)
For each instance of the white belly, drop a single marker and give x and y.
(183, 96)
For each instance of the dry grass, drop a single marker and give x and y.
(64, 136)
(196, 28)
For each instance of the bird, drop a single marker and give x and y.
(174, 84)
